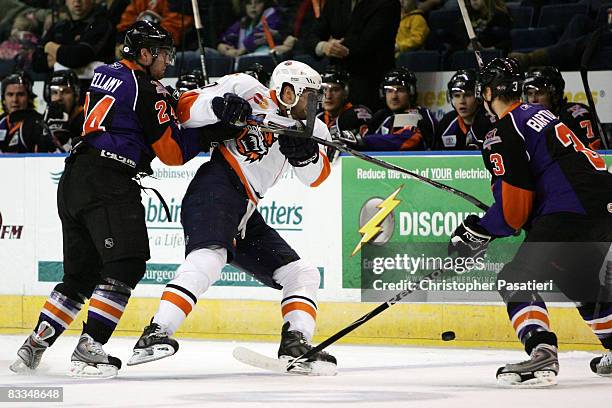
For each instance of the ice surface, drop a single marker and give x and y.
(203, 373)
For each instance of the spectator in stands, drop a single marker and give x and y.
(413, 29)
(491, 22)
(21, 127)
(454, 128)
(567, 53)
(247, 36)
(360, 36)
(402, 125)
(157, 12)
(64, 114)
(22, 41)
(343, 119)
(546, 86)
(13, 9)
(82, 43)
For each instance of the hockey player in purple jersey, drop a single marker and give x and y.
(544, 179)
(129, 120)
(545, 85)
(455, 130)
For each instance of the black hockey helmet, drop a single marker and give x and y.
(64, 77)
(335, 75)
(463, 81)
(192, 80)
(145, 34)
(258, 71)
(400, 77)
(503, 76)
(546, 78)
(17, 78)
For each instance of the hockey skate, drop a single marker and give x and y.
(30, 353)
(293, 344)
(602, 365)
(89, 360)
(539, 371)
(153, 344)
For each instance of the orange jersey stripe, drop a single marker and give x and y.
(299, 306)
(168, 150)
(517, 205)
(532, 314)
(325, 171)
(105, 307)
(602, 326)
(232, 162)
(510, 108)
(185, 103)
(66, 318)
(177, 301)
(413, 142)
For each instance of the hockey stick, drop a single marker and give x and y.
(584, 74)
(269, 39)
(470, 32)
(200, 33)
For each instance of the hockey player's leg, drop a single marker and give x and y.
(300, 282)
(531, 323)
(106, 306)
(601, 326)
(200, 270)
(56, 315)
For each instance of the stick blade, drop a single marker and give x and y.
(255, 359)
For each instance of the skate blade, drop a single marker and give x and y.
(79, 369)
(20, 367)
(156, 352)
(542, 379)
(315, 368)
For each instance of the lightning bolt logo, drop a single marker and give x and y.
(371, 228)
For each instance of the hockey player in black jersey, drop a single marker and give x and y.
(544, 179)
(545, 85)
(454, 132)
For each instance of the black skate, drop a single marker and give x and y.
(602, 365)
(153, 344)
(539, 371)
(293, 344)
(89, 360)
(30, 353)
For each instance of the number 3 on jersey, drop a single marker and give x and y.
(567, 138)
(97, 114)
(498, 164)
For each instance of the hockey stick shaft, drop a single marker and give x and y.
(470, 31)
(366, 317)
(200, 33)
(584, 75)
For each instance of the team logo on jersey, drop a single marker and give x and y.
(490, 139)
(253, 144)
(376, 220)
(261, 101)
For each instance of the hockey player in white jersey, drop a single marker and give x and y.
(219, 214)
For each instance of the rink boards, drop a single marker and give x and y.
(322, 224)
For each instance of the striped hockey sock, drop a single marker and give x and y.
(600, 324)
(175, 305)
(106, 307)
(59, 311)
(527, 318)
(301, 313)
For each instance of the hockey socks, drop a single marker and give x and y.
(175, 305)
(600, 324)
(58, 312)
(527, 319)
(301, 314)
(106, 307)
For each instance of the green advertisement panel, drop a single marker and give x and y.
(384, 210)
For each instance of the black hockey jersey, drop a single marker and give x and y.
(578, 118)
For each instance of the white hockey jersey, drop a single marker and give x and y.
(254, 155)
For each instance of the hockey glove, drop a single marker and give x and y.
(300, 151)
(231, 109)
(173, 97)
(57, 122)
(469, 239)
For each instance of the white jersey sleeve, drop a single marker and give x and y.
(315, 173)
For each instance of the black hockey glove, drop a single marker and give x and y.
(469, 239)
(57, 122)
(174, 96)
(300, 151)
(231, 109)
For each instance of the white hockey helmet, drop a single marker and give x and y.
(296, 73)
